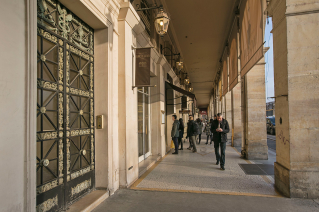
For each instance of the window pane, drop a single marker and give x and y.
(146, 142)
(140, 123)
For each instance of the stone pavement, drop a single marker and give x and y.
(192, 182)
(127, 200)
(197, 172)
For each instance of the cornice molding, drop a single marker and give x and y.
(128, 14)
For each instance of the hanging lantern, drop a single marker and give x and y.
(190, 88)
(161, 22)
(179, 66)
(186, 80)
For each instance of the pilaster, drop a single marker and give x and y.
(253, 104)
(228, 112)
(296, 72)
(236, 116)
(129, 25)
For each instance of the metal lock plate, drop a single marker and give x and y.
(99, 122)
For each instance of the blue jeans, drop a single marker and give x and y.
(175, 139)
(220, 157)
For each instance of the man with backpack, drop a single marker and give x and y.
(192, 130)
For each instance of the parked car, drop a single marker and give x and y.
(271, 125)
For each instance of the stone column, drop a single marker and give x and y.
(253, 106)
(228, 115)
(296, 72)
(236, 116)
(224, 107)
(158, 146)
(129, 27)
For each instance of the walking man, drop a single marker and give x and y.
(181, 133)
(191, 133)
(200, 130)
(220, 128)
(208, 131)
(175, 133)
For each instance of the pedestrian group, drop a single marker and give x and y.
(216, 131)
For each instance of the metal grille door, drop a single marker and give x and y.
(65, 112)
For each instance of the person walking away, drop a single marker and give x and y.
(200, 130)
(220, 128)
(212, 136)
(181, 133)
(175, 133)
(190, 144)
(208, 131)
(192, 130)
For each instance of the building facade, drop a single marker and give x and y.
(75, 122)
(81, 123)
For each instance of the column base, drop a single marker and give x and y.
(297, 183)
(256, 151)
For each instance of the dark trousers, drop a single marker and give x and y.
(220, 157)
(211, 139)
(180, 142)
(199, 138)
(175, 139)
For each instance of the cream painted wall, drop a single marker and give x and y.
(128, 140)
(101, 106)
(157, 105)
(13, 85)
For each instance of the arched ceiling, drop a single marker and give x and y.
(200, 29)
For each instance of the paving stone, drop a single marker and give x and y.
(198, 172)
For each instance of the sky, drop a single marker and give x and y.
(269, 58)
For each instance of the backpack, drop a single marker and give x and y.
(195, 128)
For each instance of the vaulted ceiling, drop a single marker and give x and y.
(200, 29)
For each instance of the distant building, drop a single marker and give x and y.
(270, 108)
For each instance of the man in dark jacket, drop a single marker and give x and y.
(220, 128)
(181, 133)
(200, 129)
(208, 131)
(175, 133)
(191, 133)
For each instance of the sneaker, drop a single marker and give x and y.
(189, 148)
(206, 143)
(222, 168)
(194, 151)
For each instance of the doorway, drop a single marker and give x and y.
(143, 108)
(65, 113)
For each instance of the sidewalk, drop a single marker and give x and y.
(127, 200)
(197, 172)
(192, 182)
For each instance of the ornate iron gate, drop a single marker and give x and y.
(65, 113)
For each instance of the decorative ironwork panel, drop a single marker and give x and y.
(80, 112)
(55, 17)
(49, 112)
(65, 107)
